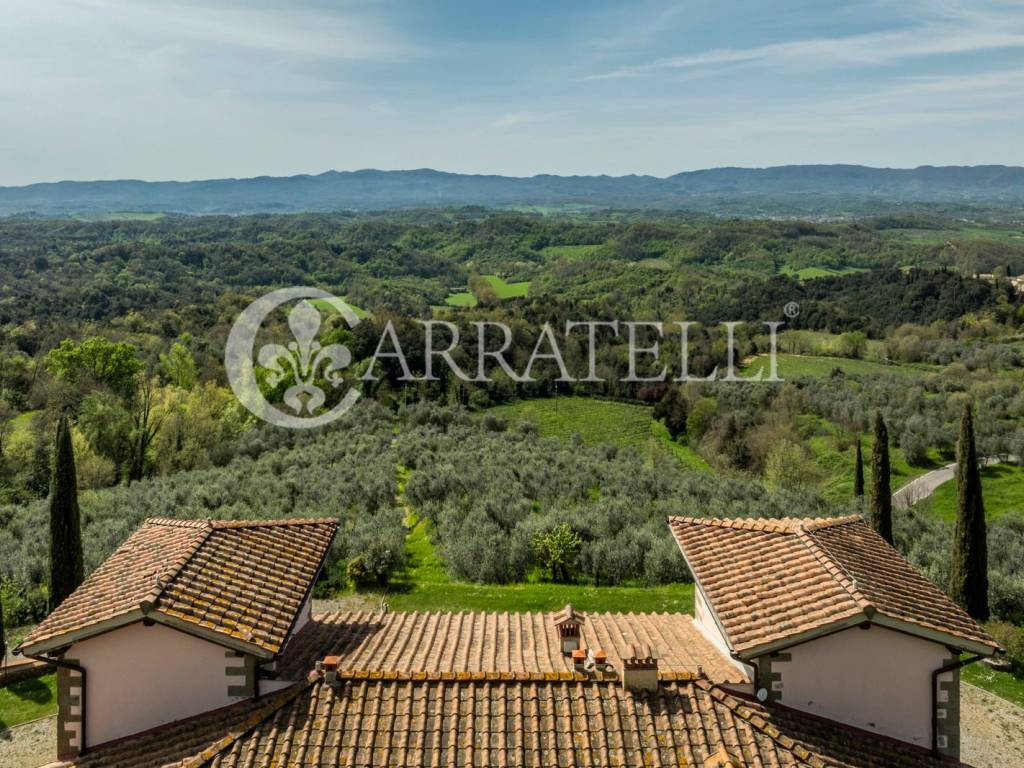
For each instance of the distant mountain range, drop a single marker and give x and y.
(784, 189)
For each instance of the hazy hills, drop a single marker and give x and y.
(784, 189)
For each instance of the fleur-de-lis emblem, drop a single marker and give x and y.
(303, 358)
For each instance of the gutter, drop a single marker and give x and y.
(80, 670)
(958, 664)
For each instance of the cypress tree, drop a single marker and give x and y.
(66, 570)
(881, 496)
(858, 473)
(969, 576)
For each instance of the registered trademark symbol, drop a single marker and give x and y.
(791, 310)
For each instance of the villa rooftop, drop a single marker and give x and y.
(771, 582)
(241, 583)
(428, 689)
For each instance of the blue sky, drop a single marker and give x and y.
(181, 90)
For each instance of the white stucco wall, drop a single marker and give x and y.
(305, 615)
(874, 679)
(705, 622)
(139, 677)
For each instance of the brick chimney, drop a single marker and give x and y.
(640, 670)
(329, 668)
(568, 622)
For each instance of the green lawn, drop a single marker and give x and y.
(1002, 487)
(502, 289)
(795, 366)
(1003, 684)
(28, 700)
(458, 596)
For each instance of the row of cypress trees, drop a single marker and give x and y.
(969, 573)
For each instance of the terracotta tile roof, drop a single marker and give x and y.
(520, 645)
(772, 580)
(393, 705)
(243, 580)
(536, 724)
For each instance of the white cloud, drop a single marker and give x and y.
(958, 31)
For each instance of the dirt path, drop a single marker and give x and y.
(991, 729)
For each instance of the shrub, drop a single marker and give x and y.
(1011, 638)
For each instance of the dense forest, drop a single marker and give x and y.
(120, 325)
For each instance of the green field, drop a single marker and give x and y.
(1002, 487)
(28, 700)
(324, 304)
(809, 273)
(124, 216)
(464, 299)
(795, 366)
(502, 290)
(600, 421)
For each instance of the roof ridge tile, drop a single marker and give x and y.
(148, 603)
(835, 569)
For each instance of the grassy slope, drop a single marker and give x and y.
(1002, 488)
(28, 700)
(834, 454)
(600, 421)
(1002, 684)
(323, 304)
(809, 273)
(794, 366)
(502, 289)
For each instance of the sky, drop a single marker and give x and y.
(172, 89)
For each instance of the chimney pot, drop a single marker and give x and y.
(568, 623)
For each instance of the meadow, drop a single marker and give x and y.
(796, 366)
(1002, 488)
(811, 273)
(600, 421)
(502, 290)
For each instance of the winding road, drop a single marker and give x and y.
(924, 486)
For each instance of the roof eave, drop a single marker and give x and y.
(700, 587)
(935, 635)
(64, 639)
(205, 633)
(779, 644)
